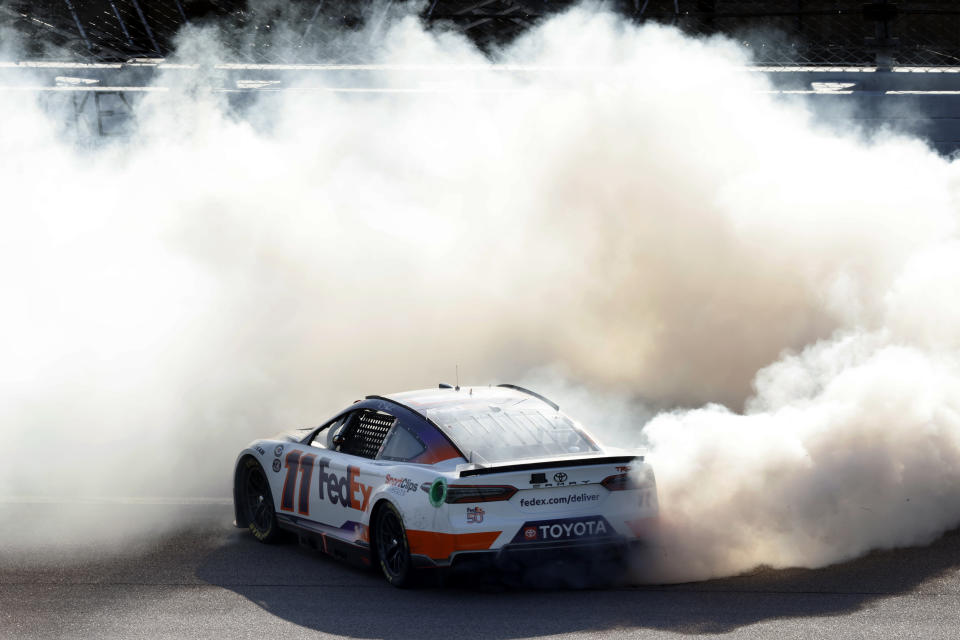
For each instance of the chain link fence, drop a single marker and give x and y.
(778, 32)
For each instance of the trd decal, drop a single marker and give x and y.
(295, 461)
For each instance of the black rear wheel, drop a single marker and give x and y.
(258, 502)
(393, 551)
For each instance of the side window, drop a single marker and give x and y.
(401, 445)
(365, 432)
(324, 434)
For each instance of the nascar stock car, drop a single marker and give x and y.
(438, 477)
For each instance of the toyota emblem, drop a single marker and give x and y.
(560, 477)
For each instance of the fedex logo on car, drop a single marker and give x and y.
(344, 490)
(475, 515)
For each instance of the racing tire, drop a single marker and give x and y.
(258, 503)
(393, 550)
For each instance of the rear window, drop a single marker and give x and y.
(511, 431)
(401, 445)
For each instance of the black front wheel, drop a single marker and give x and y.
(258, 503)
(393, 551)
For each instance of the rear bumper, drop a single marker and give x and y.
(516, 556)
(529, 554)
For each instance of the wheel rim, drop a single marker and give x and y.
(259, 504)
(391, 543)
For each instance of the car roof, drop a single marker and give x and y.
(499, 424)
(477, 399)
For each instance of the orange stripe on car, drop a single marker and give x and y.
(440, 546)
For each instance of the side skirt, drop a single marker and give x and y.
(356, 554)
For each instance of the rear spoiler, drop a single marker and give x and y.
(523, 466)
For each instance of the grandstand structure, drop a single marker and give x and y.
(780, 32)
(899, 61)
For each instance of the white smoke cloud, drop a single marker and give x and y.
(865, 453)
(639, 213)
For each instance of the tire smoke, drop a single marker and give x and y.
(638, 212)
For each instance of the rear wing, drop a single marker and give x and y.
(553, 404)
(547, 464)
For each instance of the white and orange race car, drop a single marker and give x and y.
(439, 477)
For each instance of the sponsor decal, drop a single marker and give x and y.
(538, 478)
(297, 463)
(260, 450)
(560, 477)
(278, 451)
(474, 515)
(623, 469)
(277, 464)
(401, 486)
(346, 490)
(570, 498)
(566, 529)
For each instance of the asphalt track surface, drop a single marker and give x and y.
(214, 581)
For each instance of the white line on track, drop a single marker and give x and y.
(153, 500)
(80, 88)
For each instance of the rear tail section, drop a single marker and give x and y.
(562, 500)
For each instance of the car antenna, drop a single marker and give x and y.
(457, 388)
